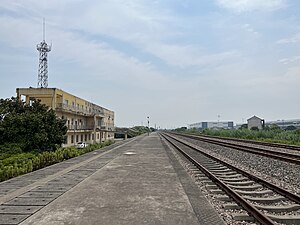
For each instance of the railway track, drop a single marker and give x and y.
(279, 155)
(264, 201)
(276, 145)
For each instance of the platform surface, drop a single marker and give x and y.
(133, 183)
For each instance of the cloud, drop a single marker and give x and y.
(97, 58)
(240, 6)
(148, 28)
(187, 56)
(127, 55)
(292, 40)
(247, 27)
(290, 60)
(142, 25)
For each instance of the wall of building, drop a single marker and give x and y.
(255, 122)
(86, 121)
(284, 123)
(46, 95)
(212, 125)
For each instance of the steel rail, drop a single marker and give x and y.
(279, 190)
(276, 145)
(284, 156)
(260, 217)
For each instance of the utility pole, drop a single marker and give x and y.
(148, 125)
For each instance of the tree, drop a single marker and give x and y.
(254, 128)
(152, 129)
(274, 127)
(244, 126)
(33, 127)
(181, 129)
(291, 127)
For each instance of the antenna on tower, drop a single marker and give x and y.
(44, 29)
(43, 49)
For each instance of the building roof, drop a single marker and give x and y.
(254, 117)
(31, 90)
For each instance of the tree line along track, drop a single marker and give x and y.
(283, 156)
(248, 190)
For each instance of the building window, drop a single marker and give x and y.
(92, 136)
(97, 136)
(81, 137)
(31, 100)
(72, 139)
(76, 138)
(85, 137)
(89, 136)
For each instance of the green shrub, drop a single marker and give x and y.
(9, 149)
(254, 128)
(36, 163)
(21, 163)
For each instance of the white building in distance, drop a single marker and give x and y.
(212, 125)
(255, 121)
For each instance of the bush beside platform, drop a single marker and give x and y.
(14, 163)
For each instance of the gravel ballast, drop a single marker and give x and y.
(284, 174)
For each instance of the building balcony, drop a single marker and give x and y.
(106, 128)
(111, 128)
(78, 111)
(100, 127)
(79, 127)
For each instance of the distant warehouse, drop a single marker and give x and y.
(86, 121)
(285, 123)
(212, 125)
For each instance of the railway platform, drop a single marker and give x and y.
(137, 181)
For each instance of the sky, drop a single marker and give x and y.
(176, 61)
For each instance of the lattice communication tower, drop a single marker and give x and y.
(43, 49)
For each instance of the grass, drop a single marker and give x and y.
(268, 135)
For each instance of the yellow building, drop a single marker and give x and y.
(86, 121)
